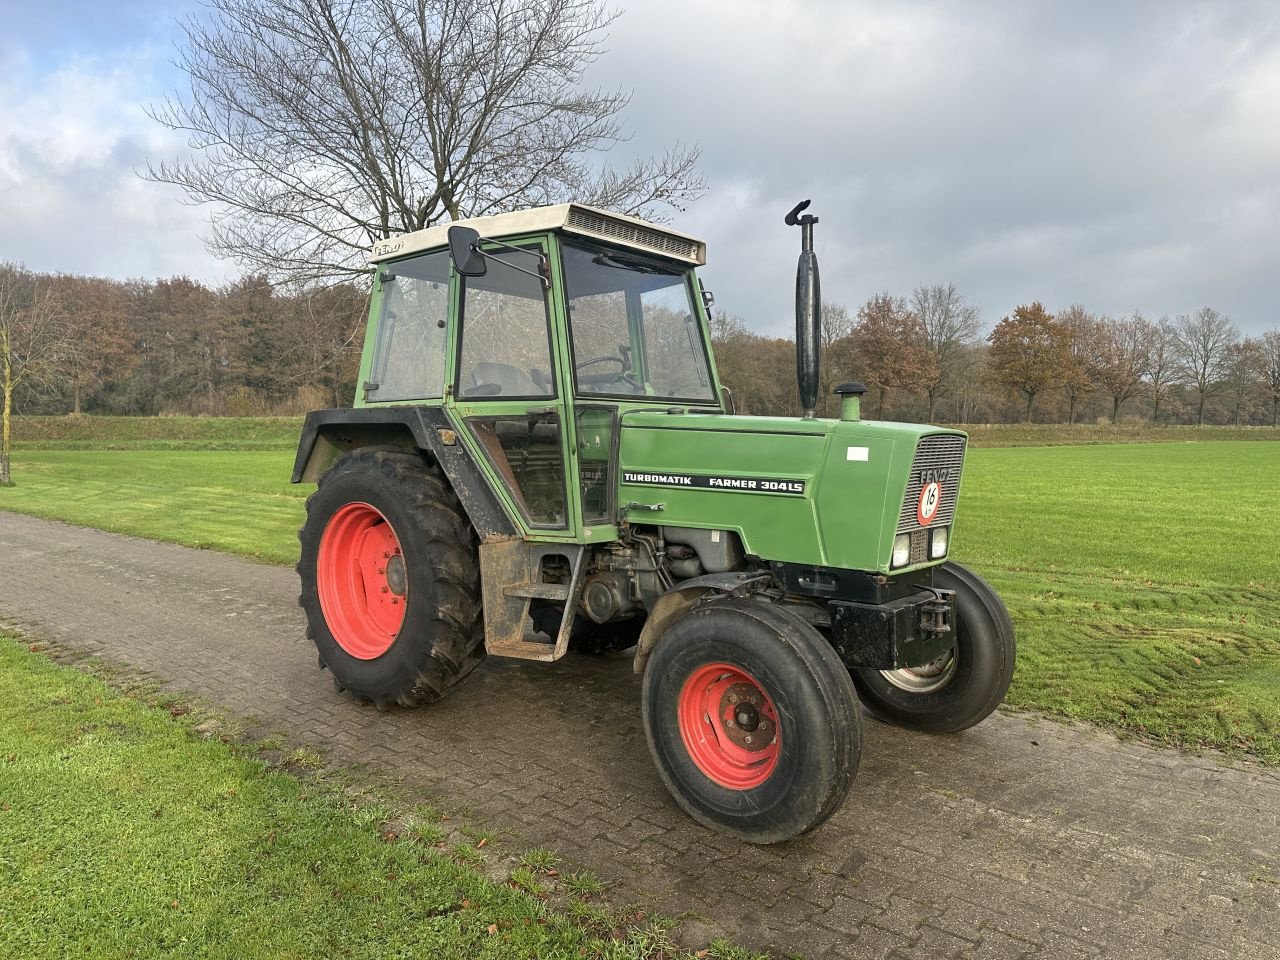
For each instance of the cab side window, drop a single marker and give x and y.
(506, 341)
(409, 355)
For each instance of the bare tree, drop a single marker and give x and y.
(1081, 328)
(1123, 358)
(836, 327)
(950, 327)
(1201, 345)
(1271, 371)
(322, 126)
(1161, 365)
(34, 342)
(1243, 376)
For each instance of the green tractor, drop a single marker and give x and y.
(541, 459)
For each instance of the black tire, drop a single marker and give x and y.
(965, 686)
(807, 689)
(441, 639)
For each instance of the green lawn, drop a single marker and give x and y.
(237, 501)
(1142, 577)
(1143, 583)
(124, 834)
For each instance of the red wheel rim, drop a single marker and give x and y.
(729, 726)
(361, 580)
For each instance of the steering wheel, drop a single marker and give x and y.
(599, 378)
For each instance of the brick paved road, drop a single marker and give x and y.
(1019, 839)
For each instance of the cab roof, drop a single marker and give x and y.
(573, 218)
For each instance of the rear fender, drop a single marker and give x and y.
(327, 434)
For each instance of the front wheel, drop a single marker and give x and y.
(752, 720)
(964, 685)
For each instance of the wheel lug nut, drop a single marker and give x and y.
(730, 723)
(747, 738)
(764, 724)
(733, 698)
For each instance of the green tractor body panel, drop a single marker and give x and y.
(816, 492)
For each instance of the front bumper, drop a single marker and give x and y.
(908, 631)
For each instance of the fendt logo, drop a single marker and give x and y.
(940, 475)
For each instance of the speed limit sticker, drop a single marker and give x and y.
(927, 508)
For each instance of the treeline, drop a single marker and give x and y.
(176, 346)
(72, 344)
(926, 357)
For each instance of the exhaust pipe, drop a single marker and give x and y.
(808, 311)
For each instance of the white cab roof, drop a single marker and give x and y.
(574, 218)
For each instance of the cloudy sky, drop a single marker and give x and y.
(1121, 155)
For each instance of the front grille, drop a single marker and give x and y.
(919, 546)
(937, 453)
(599, 225)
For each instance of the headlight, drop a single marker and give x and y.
(938, 543)
(901, 550)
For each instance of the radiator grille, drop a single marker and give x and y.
(936, 453)
(598, 225)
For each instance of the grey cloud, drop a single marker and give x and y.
(1111, 154)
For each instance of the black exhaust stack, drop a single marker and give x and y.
(808, 311)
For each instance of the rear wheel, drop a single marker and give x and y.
(390, 579)
(964, 685)
(752, 720)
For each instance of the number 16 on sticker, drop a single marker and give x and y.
(927, 508)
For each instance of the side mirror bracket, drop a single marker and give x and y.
(469, 260)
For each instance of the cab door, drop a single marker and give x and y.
(506, 388)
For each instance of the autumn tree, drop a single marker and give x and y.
(1029, 352)
(1123, 351)
(97, 314)
(1271, 371)
(950, 329)
(1077, 372)
(1202, 343)
(318, 127)
(892, 349)
(759, 371)
(34, 341)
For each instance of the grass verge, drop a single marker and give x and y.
(123, 833)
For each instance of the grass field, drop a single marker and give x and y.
(124, 834)
(1142, 577)
(1143, 583)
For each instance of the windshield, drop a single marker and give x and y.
(634, 327)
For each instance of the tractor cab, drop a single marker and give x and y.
(551, 324)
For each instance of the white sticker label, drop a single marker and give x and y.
(862, 454)
(715, 536)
